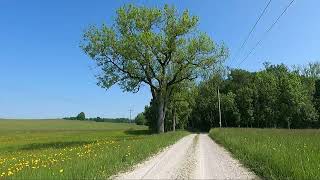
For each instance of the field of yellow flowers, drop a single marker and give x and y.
(58, 149)
(274, 153)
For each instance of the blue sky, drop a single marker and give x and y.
(44, 73)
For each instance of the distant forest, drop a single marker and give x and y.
(82, 117)
(275, 97)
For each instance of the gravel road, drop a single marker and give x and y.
(195, 156)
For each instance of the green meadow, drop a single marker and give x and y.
(62, 149)
(274, 153)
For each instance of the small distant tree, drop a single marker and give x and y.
(140, 119)
(81, 116)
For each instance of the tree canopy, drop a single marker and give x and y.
(160, 48)
(164, 50)
(81, 116)
(140, 119)
(275, 97)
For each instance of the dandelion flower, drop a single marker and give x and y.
(61, 171)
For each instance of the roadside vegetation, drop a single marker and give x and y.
(274, 153)
(60, 149)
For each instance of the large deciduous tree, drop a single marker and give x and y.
(156, 47)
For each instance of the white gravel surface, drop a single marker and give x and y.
(192, 157)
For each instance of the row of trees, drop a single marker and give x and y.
(82, 117)
(275, 97)
(115, 120)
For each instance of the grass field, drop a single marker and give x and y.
(274, 153)
(60, 149)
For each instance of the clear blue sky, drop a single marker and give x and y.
(44, 73)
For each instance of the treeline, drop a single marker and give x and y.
(275, 97)
(115, 120)
(81, 116)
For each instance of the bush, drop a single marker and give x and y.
(140, 119)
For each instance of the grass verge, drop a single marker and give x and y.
(274, 153)
(78, 151)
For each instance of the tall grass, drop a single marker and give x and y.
(61, 149)
(274, 153)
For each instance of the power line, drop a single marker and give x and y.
(252, 29)
(264, 35)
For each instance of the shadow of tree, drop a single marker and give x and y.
(55, 145)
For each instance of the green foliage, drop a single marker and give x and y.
(59, 149)
(273, 97)
(231, 115)
(150, 113)
(311, 70)
(101, 119)
(274, 153)
(140, 119)
(316, 96)
(114, 120)
(205, 112)
(163, 49)
(180, 106)
(157, 47)
(81, 116)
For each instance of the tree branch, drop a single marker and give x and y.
(128, 73)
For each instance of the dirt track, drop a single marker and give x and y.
(192, 157)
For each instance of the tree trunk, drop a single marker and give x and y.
(161, 114)
(289, 123)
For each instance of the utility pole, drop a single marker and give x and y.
(219, 107)
(130, 110)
